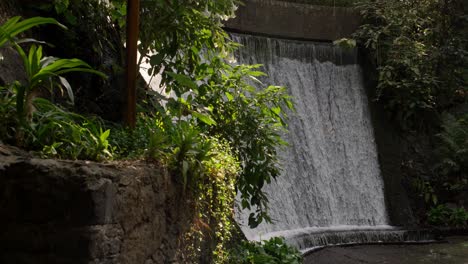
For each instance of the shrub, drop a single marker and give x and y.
(36, 123)
(272, 251)
(442, 215)
(438, 215)
(419, 50)
(62, 134)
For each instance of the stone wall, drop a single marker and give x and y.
(294, 20)
(55, 211)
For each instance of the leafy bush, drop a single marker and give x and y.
(189, 150)
(438, 215)
(135, 143)
(44, 72)
(62, 134)
(252, 121)
(409, 42)
(458, 217)
(272, 251)
(442, 215)
(36, 123)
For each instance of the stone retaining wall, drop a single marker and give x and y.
(82, 212)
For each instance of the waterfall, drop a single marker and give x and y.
(331, 178)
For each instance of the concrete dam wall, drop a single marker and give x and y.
(294, 20)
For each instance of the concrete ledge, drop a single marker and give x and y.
(294, 20)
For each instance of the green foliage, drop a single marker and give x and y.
(252, 121)
(442, 215)
(61, 7)
(135, 143)
(44, 72)
(414, 46)
(204, 165)
(216, 192)
(188, 152)
(13, 27)
(449, 176)
(452, 153)
(272, 251)
(438, 215)
(223, 103)
(214, 100)
(345, 43)
(180, 29)
(52, 131)
(36, 123)
(61, 134)
(192, 57)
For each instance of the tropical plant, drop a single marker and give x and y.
(36, 123)
(272, 251)
(13, 27)
(57, 133)
(44, 72)
(189, 151)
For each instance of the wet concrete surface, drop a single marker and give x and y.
(455, 251)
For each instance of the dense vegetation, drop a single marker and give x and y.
(420, 52)
(211, 127)
(216, 133)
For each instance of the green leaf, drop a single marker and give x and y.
(104, 135)
(156, 60)
(68, 88)
(205, 118)
(13, 27)
(183, 80)
(257, 73)
(229, 96)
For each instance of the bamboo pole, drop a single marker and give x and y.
(133, 22)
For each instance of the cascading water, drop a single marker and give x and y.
(331, 178)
